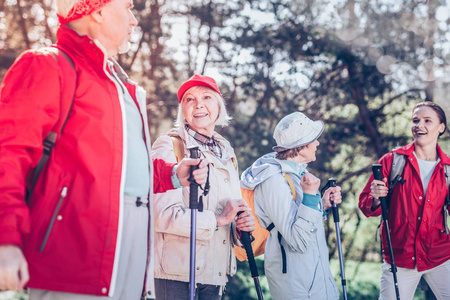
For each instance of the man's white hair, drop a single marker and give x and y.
(222, 120)
(64, 6)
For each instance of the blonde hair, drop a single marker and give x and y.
(223, 119)
(64, 6)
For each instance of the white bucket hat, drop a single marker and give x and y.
(296, 130)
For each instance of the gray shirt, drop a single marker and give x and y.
(137, 180)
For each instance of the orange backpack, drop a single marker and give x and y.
(260, 233)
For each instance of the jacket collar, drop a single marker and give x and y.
(444, 157)
(83, 48)
(227, 150)
(266, 166)
(289, 166)
(408, 150)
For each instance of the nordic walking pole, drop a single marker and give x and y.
(193, 205)
(335, 208)
(376, 170)
(247, 242)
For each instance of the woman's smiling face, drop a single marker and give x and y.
(426, 126)
(200, 108)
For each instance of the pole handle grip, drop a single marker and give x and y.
(376, 170)
(193, 195)
(245, 239)
(377, 175)
(332, 183)
(194, 152)
(247, 242)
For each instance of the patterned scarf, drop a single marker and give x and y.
(205, 141)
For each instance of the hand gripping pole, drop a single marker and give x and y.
(193, 205)
(376, 170)
(247, 242)
(335, 209)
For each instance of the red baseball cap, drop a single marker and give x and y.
(195, 81)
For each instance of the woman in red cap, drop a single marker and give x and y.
(201, 108)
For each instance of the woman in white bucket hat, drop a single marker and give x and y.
(296, 254)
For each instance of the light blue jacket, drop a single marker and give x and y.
(301, 226)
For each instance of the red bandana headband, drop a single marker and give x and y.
(82, 8)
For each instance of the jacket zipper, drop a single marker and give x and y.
(118, 84)
(315, 269)
(314, 279)
(52, 221)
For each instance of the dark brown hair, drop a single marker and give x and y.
(290, 153)
(439, 111)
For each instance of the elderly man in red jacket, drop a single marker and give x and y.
(86, 229)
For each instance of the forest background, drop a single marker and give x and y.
(358, 65)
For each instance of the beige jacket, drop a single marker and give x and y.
(215, 257)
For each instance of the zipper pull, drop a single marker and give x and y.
(64, 192)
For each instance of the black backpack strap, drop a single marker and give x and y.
(447, 199)
(68, 90)
(447, 182)
(283, 252)
(446, 214)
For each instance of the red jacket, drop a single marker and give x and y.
(88, 160)
(416, 223)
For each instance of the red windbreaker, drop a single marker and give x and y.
(85, 172)
(416, 222)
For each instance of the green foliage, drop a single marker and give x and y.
(242, 286)
(363, 280)
(13, 296)
(329, 59)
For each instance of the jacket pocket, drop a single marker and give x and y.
(400, 233)
(313, 280)
(52, 220)
(436, 244)
(439, 221)
(176, 255)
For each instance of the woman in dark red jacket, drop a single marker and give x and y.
(420, 244)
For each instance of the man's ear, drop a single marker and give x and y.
(97, 15)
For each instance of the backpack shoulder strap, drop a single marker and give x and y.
(69, 78)
(447, 199)
(447, 175)
(395, 176)
(178, 147)
(272, 226)
(291, 185)
(234, 160)
(67, 66)
(398, 164)
(294, 193)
